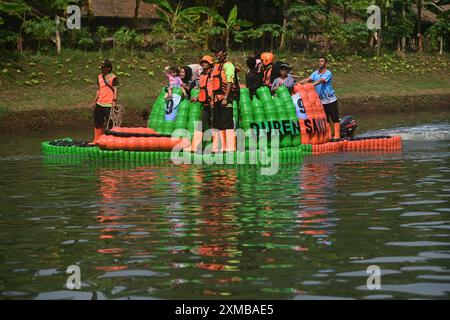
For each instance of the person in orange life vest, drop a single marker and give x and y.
(267, 61)
(321, 79)
(204, 97)
(224, 79)
(105, 98)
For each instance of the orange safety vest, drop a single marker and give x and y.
(266, 75)
(105, 91)
(205, 87)
(219, 79)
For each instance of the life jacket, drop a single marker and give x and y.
(219, 81)
(267, 75)
(105, 90)
(205, 87)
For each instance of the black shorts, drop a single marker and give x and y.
(331, 111)
(223, 116)
(206, 118)
(100, 114)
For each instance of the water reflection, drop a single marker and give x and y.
(195, 220)
(207, 232)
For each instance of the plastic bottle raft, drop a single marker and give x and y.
(300, 119)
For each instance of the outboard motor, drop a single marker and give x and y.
(348, 126)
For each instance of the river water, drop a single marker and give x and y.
(205, 232)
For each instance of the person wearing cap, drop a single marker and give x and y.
(285, 78)
(224, 91)
(322, 80)
(204, 97)
(105, 98)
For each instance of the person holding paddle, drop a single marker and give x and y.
(105, 98)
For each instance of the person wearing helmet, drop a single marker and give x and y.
(204, 97)
(225, 88)
(267, 59)
(105, 98)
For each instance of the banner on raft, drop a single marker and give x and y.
(284, 127)
(314, 126)
(172, 106)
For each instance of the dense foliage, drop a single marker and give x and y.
(326, 26)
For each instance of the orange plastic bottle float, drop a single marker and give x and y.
(139, 139)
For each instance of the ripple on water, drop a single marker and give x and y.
(132, 273)
(430, 289)
(363, 273)
(411, 203)
(435, 254)
(398, 259)
(424, 268)
(418, 243)
(65, 295)
(419, 214)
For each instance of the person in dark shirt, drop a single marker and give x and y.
(254, 78)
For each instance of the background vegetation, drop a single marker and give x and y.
(328, 26)
(47, 73)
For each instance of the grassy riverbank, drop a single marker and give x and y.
(41, 92)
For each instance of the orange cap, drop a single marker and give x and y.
(208, 59)
(267, 58)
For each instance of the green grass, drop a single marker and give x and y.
(50, 82)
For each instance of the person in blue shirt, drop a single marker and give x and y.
(322, 79)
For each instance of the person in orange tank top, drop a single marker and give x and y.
(105, 98)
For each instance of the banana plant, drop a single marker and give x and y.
(231, 24)
(440, 29)
(275, 31)
(176, 18)
(18, 9)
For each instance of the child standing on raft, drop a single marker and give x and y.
(105, 98)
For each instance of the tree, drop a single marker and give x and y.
(122, 37)
(250, 34)
(334, 33)
(307, 17)
(85, 39)
(399, 28)
(438, 32)
(136, 12)
(356, 34)
(19, 9)
(346, 6)
(40, 29)
(275, 31)
(177, 18)
(102, 32)
(231, 24)
(284, 4)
